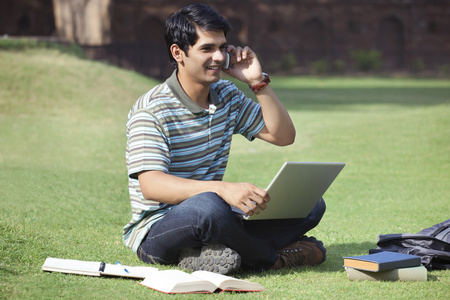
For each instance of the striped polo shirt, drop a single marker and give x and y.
(167, 131)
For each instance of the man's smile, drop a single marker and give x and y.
(213, 67)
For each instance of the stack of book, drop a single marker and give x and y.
(386, 265)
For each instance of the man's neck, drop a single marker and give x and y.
(199, 93)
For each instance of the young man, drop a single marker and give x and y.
(179, 137)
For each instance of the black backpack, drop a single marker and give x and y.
(431, 244)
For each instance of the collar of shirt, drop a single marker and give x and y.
(193, 107)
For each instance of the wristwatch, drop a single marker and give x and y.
(257, 87)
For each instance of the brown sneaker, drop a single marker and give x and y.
(306, 252)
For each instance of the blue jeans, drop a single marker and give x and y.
(206, 219)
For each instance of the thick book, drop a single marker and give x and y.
(179, 282)
(402, 274)
(94, 268)
(382, 261)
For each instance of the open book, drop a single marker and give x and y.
(176, 281)
(93, 268)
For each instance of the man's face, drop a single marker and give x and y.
(205, 59)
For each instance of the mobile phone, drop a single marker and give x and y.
(226, 65)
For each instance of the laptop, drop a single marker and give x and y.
(296, 189)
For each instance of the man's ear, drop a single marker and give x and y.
(177, 53)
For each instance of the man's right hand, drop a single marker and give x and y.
(246, 196)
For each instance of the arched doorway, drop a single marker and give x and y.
(390, 41)
(312, 38)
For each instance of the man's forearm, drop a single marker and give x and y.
(279, 128)
(165, 188)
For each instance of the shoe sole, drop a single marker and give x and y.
(213, 258)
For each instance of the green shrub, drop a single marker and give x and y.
(418, 65)
(289, 62)
(339, 66)
(320, 66)
(18, 44)
(23, 44)
(444, 69)
(366, 60)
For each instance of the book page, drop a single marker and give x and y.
(176, 281)
(133, 272)
(227, 282)
(72, 266)
(215, 278)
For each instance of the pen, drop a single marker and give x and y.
(118, 263)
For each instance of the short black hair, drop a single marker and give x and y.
(181, 26)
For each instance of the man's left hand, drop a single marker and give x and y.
(244, 65)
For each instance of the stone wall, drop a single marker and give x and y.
(26, 18)
(404, 31)
(130, 32)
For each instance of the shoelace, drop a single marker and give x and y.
(292, 257)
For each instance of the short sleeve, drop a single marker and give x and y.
(250, 120)
(147, 144)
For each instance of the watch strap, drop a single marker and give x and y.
(257, 87)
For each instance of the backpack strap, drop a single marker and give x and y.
(442, 229)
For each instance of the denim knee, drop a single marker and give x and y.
(211, 210)
(202, 219)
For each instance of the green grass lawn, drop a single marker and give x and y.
(64, 188)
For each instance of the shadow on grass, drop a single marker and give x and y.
(336, 253)
(7, 271)
(351, 99)
(350, 96)
(333, 263)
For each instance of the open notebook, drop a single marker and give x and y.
(296, 189)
